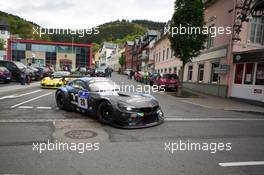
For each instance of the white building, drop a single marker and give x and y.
(105, 53)
(113, 61)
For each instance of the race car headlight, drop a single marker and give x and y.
(126, 107)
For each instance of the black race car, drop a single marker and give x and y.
(101, 98)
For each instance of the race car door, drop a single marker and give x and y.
(80, 94)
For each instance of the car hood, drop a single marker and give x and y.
(138, 100)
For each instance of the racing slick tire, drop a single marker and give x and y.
(63, 102)
(105, 113)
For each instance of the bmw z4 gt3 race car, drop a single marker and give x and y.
(101, 98)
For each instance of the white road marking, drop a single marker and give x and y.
(196, 104)
(21, 95)
(213, 119)
(250, 163)
(25, 107)
(44, 107)
(43, 120)
(19, 104)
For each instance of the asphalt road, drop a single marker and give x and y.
(29, 117)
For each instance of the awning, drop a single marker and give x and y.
(249, 56)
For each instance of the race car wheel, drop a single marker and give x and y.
(63, 102)
(105, 113)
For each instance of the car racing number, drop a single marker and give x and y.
(83, 99)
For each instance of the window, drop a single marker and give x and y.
(260, 74)
(50, 58)
(18, 55)
(161, 70)
(201, 73)
(163, 56)
(210, 38)
(257, 30)
(168, 50)
(159, 56)
(248, 79)
(165, 70)
(239, 73)
(175, 70)
(190, 72)
(169, 70)
(214, 76)
(28, 46)
(172, 53)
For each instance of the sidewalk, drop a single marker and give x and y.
(213, 102)
(18, 87)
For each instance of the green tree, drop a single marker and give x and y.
(122, 60)
(2, 44)
(188, 13)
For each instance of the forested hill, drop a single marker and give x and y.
(116, 31)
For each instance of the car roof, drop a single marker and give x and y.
(93, 79)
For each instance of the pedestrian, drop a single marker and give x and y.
(23, 76)
(110, 72)
(28, 79)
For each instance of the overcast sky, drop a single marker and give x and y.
(87, 13)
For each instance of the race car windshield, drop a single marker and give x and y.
(103, 86)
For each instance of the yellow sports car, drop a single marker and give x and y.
(56, 80)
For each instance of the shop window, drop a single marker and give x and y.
(190, 72)
(239, 73)
(201, 73)
(214, 76)
(248, 79)
(260, 74)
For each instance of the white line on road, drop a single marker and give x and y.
(43, 120)
(44, 107)
(250, 163)
(196, 104)
(213, 119)
(25, 107)
(19, 104)
(21, 95)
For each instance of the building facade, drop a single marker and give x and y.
(229, 68)
(105, 53)
(165, 61)
(128, 54)
(45, 53)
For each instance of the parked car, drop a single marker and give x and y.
(5, 75)
(168, 81)
(35, 73)
(152, 78)
(127, 71)
(14, 67)
(100, 72)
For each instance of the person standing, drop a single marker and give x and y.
(23, 76)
